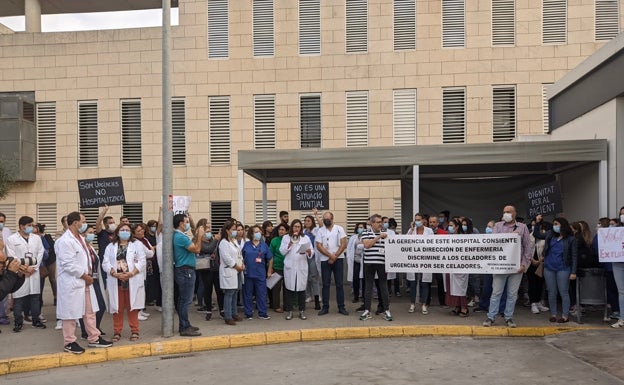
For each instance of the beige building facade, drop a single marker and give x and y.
(287, 74)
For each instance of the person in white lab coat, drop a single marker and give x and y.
(124, 260)
(25, 244)
(76, 296)
(229, 271)
(297, 249)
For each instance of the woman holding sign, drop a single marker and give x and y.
(618, 274)
(297, 249)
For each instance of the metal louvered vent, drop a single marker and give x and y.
(46, 134)
(607, 19)
(454, 115)
(503, 113)
(554, 21)
(271, 211)
(453, 23)
(404, 117)
(264, 121)
(310, 120)
(356, 26)
(357, 211)
(219, 129)
(219, 213)
(263, 28)
(131, 132)
(309, 27)
(134, 212)
(404, 25)
(218, 29)
(88, 141)
(503, 22)
(178, 131)
(46, 214)
(545, 114)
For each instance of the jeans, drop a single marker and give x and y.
(229, 303)
(32, 301)
(498, 286)
(337, 268)
(618, 275)
(258, 287)
(369, 276)
(425, 288)
(185, 280)
(558, 281)
(612, 292)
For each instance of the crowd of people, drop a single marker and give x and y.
(280, 267)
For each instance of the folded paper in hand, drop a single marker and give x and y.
(273, 280)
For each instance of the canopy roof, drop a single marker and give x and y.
(16, 7)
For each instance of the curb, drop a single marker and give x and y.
(188, 345)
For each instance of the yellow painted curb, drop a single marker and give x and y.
(91, 356)
(129, 351)
(526, 332)
(352, 333)
(480, 331)
(171, 347)
(318, 334)
(453, 330)
(418, 331)
(251, 339)
(283, 336)
(32, 363)
(4, 367)
(210, 343)
(386, 331)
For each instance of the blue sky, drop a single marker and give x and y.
(93, 21)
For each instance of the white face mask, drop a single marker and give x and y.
(112, 227)
(507, 217)
(622, 218)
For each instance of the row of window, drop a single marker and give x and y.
(453, 25)
(404, 123)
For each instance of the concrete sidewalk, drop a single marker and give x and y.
(35, 349)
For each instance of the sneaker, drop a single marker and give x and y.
(480, 310)
(308, 299)
(615, 315)
(27, 320)
(249, 317)
(38, 325)
(424, 309)
(264, 317)
(190, 333)
(510, 323)
(202, 310)
(542, 307)
(42, 318)
(302, 315)
(142, 317)
(158, 308)
(618, 324)
(387, 315)
(488, 322)
(471, 303)
(100, 343)
(17, 328)
(59, 325)
(398, 294)
(144, 313)
(289, 315)
(208, 316)
(74, 348)
(366, 315)
(534, 308)
(412, 308)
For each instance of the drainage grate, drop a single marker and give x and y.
(178, 356)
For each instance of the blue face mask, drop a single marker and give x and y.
(488, 230)
(386, 225)
(1, 226)
(83, 228)
(187, 227)
(153, 229)
(418, 223)
(556, 229)
(451, 229)
(441, 220)
(208, 236)
(124, 235)
(257, 236)
(464, 228)
(360, 230)
(28, 230)
(90, 237)
(234, 234)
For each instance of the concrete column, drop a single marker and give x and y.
(415, 189)
(241, 196)
(264, 201)
(603, 189)
(33, 15)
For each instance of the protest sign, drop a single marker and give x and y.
(101, 191)
(307, 196)
(611, 244)
(544, 199)
(181, 204)
(472, 254)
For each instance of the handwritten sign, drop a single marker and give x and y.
(611, 244)
(307, 196)
(471, 253)
(181, 204)
(544, 199)
(101, 191)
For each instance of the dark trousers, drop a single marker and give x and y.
(276, 291)
(356, 280)
(337, 269)
(288, 299)
(210, 280)
(536, 285)
(612, 292)
(257, 287)
(101, 305)
(153, 290)
(440, 286)
(32, 302)
(369, 277)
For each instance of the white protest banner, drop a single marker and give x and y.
(181, 204)
(471, 254)
(611, 244)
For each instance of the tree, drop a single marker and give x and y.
(7, 177)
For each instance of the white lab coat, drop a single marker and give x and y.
(230, 255)
(458, 284)
(426, 277)
(296, 263)
(354, 245)
(72, 261)
(135, 257)
(17, 247)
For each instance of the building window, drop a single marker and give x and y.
(309, 27)
(503, 22)
(404, 25)
(46, 134)
(134, 212)
(607, 19)
(219, 213)
(404, 117)
(503, 113)
(545, 114)
(131, 132)
(219, 129)
(554, 21)
(357, 211)
(453, 24)
(91, 215)
(218, 29)
(310, 120)
(454, 115)
(178, 131)
(357, 118)
(11, 220)
(264, 121)
(46, 214)
(263, 37)
(356, 26)
(88, 145)
(271, 211)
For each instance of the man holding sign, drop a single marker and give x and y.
(509, 225)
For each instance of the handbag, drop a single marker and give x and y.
(202, 263)
(539, 270)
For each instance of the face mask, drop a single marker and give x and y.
(464, 228)
(90, 237)
(612, 226)
(418, 223)
(488, 230)
(28, 230)
(257, 236)
(441, 220)
(386, 225)
(327, 222)
(153, 229)
(112, 227)
(208, 236)
(234, 234)
(187, 227)
(622, 218)
(507, 217)
(360, 230)
(451, 229)
(556, 229)
(83, 228)
(124, 235)
(1, 226)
